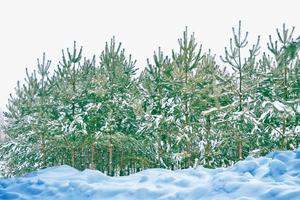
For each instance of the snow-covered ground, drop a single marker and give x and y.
(276, 177)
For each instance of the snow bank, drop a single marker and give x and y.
(276, 177)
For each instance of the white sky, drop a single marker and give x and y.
(29, 28)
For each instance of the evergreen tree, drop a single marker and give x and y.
(208, 107)
(182, 111)
(186, 62)
(245, 79)
(118, 134)
(68, 93)
(279, 108)
(159, 106)
(25, 147)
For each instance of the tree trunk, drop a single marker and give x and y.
(240, 146)
(121, 164)
(44, 164)
(110, 148)
(92, 166)
(208, 133)
(73, 158)
(186, 119)
(240, 150)
(284, 137)
(284, 142)
(159, 148)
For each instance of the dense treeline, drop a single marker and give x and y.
(183, 109)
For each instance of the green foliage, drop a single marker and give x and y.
(182, 110)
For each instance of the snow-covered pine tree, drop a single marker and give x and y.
(295, 95)
(185, 62)
(118, 134)
(244, 76)
(42, 107)
(159, 104)
(68, 126)
(279, 109)
(208, 108)
(26, 121)
(185, 111)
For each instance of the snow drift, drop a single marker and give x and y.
(275, 176)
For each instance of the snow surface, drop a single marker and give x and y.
(275, 176)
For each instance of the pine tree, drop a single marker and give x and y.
(159, 107)
(43, 109)
(69, 126)
(244, 76)
(211, 98)
(120, 124)
(280, 100)
(186, 62)
(182, 111)
(24, 150)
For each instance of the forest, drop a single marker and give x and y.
(186, 109)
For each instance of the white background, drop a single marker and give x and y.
(28, 28)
